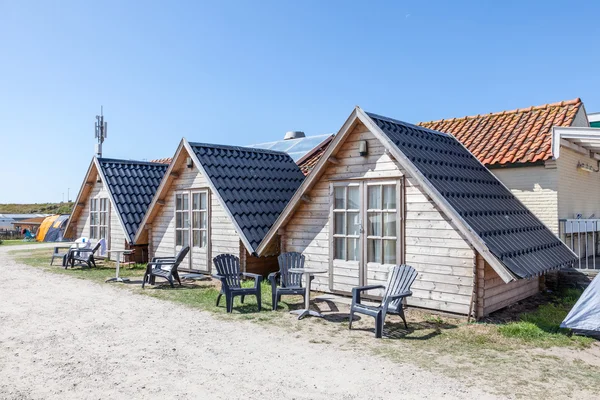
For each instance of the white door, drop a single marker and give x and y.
(182, 225)
(365, 221)
(199, 231)
(347, 230)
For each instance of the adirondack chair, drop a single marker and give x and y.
(400, 279)
(228, 272)
(83, 257)
(289, 283)
(165, 267)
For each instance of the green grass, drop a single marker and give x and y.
(37, 208)
(201, 295)
(16, 242)
(542, 326)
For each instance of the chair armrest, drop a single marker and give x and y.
(359, 289)
(162, 258)
(249, 275)
(400, 295)
(368, 287)
(273, 278)
(219, 277)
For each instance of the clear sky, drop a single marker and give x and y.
(245, 72)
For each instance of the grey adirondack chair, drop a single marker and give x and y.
(289, 283)
(83, 257)
(400, 279)
(164, 267)
(228, 272)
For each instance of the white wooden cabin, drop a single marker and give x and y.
(387, 192)
(220, 200)
(111, 202)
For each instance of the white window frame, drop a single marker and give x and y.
(337, 211)
(179, 242)
(202, 217)
(381, 211)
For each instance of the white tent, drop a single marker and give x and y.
(584, 317)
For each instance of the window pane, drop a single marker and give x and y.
(203, 219)
(185, 202)
(353, 224)
(374, 194)
(178, 202)
(340, 248)
(196, 219)
(389, 224)
(103, 233)
(203, 204)
(102, 218)
(203, 239)
(374, 250)
(196, 238)
(178, 238)
(340, 198)
(195, 201)
(389, 197)
(374, 225)
(178, 220)
(340, 223)
(353, 197)
(185, 237)
(389, 252)
(353, 249)
(186, 219)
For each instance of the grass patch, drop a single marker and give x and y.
(16, 242)
(542, 326)
(200, 294)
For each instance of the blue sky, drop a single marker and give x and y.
(246, 72)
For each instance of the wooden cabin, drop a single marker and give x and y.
(218, 200)
(386, 192)
(112, 201)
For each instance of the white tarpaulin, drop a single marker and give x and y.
(584, 317)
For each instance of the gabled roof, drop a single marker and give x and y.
(517, 136)
(253, 185)
(509, 237)
(132, 185)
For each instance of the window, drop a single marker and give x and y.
(199, 219)
(94, 220)
(346, 222)
(182, 219)
(99, 218)
(381, 223)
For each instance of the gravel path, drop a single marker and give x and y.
(74, 339)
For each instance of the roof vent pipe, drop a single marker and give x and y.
(294, 135)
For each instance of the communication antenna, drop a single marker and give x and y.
(101, 129)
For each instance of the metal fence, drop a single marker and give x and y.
(581, 236)
(9, 234)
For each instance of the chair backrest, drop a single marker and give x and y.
(179, 258)
(228, 266)
(95, 248)
(289, 261)
(400, 279)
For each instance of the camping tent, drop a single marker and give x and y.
(52, 229)
(584, 317)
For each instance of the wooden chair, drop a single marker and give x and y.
(83, 257)
(164, 267)
(400, 279)
(228, 272)
(289, 283)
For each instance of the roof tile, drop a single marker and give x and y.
(516, 136)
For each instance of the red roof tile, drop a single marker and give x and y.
(517, 136)
(308, 162)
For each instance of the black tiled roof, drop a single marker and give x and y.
(512, 233)
(132, 185)
(255, 184)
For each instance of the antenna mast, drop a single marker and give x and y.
(101, 129)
